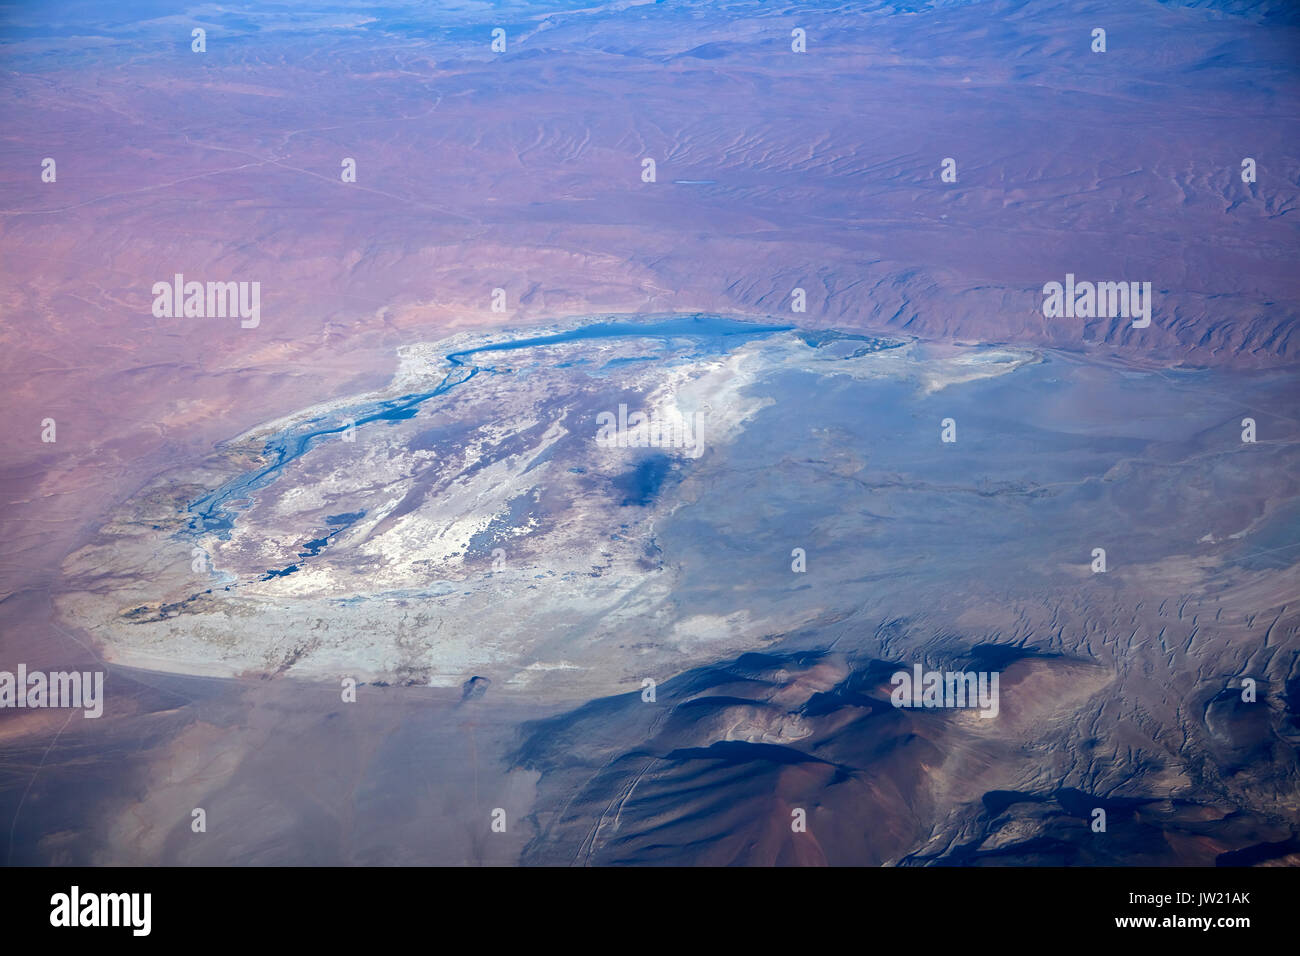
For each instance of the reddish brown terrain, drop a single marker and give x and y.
(775, 170)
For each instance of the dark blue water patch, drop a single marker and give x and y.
(313, 548)
(346, 518)
(215, 512)
(340, 523)
(282, 573)
(641, 486)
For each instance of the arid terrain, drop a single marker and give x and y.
(369, 566)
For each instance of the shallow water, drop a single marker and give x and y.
(216, 511)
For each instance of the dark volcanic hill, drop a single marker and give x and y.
(711, 772)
